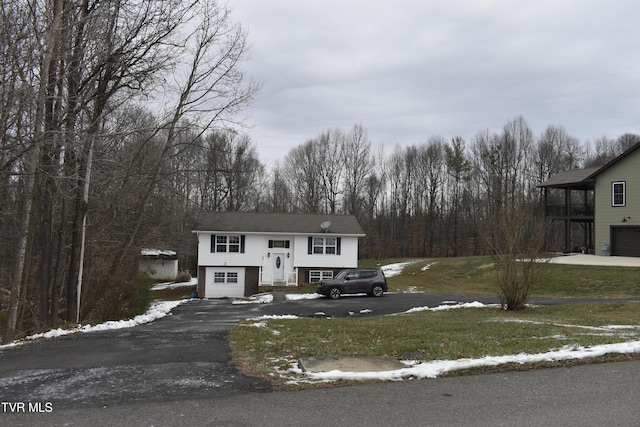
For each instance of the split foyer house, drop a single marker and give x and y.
(599, 207)
(240, 251)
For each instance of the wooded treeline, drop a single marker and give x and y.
(99, 102)
(119, 120)
(438, 198)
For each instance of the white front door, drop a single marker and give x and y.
(278, 267)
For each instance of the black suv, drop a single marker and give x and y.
(354, 281)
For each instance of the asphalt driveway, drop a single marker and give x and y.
(184, 355)
(181, 356)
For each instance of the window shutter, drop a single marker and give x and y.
(287, 244)
(310, 246)
(213, 243)
(270, 244)
(242, 244)
(339, 240)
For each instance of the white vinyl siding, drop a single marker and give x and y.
(303, 255)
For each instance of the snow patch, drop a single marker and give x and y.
(266, 298)
(435, 368)
(453, 305)
(173, 285)
(427, 267)
(274, 316)
(156, 311)
(391, 270)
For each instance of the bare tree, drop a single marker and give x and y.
(358, 165)
(301, 170)
(518, 250)
(603, 150)
(229, 172)
(278, 197)
(330, 167)
(556, 152)
(429, 180)
(627, 141)
(458, 168)
(93, 56)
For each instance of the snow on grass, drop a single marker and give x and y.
(274, 316)
(591, 328)
(427, 267)
(157, 310)
(433, 369)
(453, 305)
(436, 368)
(173, 285)
(267, 297)
(391, 270)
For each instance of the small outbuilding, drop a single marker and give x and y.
(160, 264)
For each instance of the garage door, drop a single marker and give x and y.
(221, 282)
(625, 241)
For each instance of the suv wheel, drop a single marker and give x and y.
(377, 291)
(334, 293)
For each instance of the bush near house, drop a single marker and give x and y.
(119, 300)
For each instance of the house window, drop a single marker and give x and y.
(225, 277)
(618, 191)
(280, 244)
(330, 245)
(227, 243)
(317, 275)
(324, 245)
(234, 243)
(318, 245)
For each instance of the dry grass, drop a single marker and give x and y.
(441, 335)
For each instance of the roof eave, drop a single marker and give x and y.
(279, 233)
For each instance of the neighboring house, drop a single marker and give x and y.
(238, 252)
(159, 264)
(569, 202)
(603, 202)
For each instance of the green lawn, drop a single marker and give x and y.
(271, 348)
(477, 275)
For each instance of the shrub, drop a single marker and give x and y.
(119, 299)
(518, 246)
(183, 276)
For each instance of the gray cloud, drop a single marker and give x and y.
(407, 70)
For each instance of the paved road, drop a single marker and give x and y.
(594, 395)
(176, 370)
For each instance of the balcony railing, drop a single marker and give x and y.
(575, 211)
(290, 278)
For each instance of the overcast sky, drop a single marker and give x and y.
(407, 70)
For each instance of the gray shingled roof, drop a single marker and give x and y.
(570, 177)
(252, 222)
